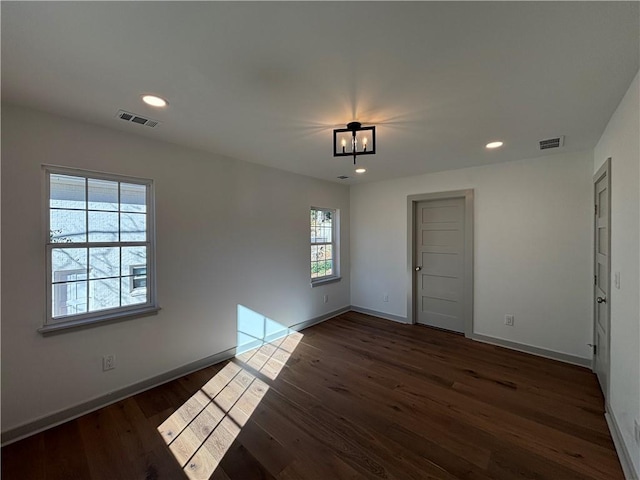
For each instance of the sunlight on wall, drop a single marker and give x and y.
(200, 432)
(254, 329)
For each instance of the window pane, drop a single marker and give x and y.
(103, 194)
(104, 262)
(133, 257)
(133, 227)
(66, 191)
(329, 267)
(103, 227)
(67, 226)
(69, 298)
(104, 294)
(64, 260)
(133, 198)
(132, 295)
(321, 269)
(328, 252)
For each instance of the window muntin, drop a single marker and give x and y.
(100, 246)
(323, 244)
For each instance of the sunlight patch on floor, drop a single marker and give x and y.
(200, 432)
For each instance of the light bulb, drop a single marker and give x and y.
(154, 101)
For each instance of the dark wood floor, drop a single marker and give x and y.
(354, 397)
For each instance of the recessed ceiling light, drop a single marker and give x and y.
(494, 144)
(154, 101)
(361, 170)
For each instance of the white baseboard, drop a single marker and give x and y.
(375, 313)
(61, 416)
(520, 347)
(628, 468)
(541, 352)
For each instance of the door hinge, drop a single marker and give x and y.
(595, 280)
(594, 347)
(596, 209)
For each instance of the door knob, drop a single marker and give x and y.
(418, 269)
(601, 300)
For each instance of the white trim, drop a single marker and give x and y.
(335, 247)
(106, 317)
(386, 316)
(540, 352)
(324, 280)
(626, 463)
(520, 347)
(52, 323)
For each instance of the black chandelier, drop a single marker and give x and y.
(354, 140)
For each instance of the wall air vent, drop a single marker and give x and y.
(135, 118)
(552, 143)
(343, 177)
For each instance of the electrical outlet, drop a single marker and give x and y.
(326, 299)
(508, 320)
(616, 280)
(385, 297)
(108, 362)
(637, 431)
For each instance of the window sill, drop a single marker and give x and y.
(323, 281)
(61, 327)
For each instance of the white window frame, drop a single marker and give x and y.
(51, 323)
(335, 248)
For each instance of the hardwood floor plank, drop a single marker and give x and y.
(24, 459)
(61, 462)
(358, 397)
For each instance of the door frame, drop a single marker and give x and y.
(412, 202)
(605, 169)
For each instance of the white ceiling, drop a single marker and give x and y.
(267, 82)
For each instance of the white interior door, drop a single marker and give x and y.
(439, 257)
(602, 185)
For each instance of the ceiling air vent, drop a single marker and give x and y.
(135, 118)
(552, 143)
(343, 177)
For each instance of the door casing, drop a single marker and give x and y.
(412, 201)
(605, 169)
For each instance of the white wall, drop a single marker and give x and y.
(228, 233)
(620, 141)
(532, 247)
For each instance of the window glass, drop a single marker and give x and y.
(99, 245)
